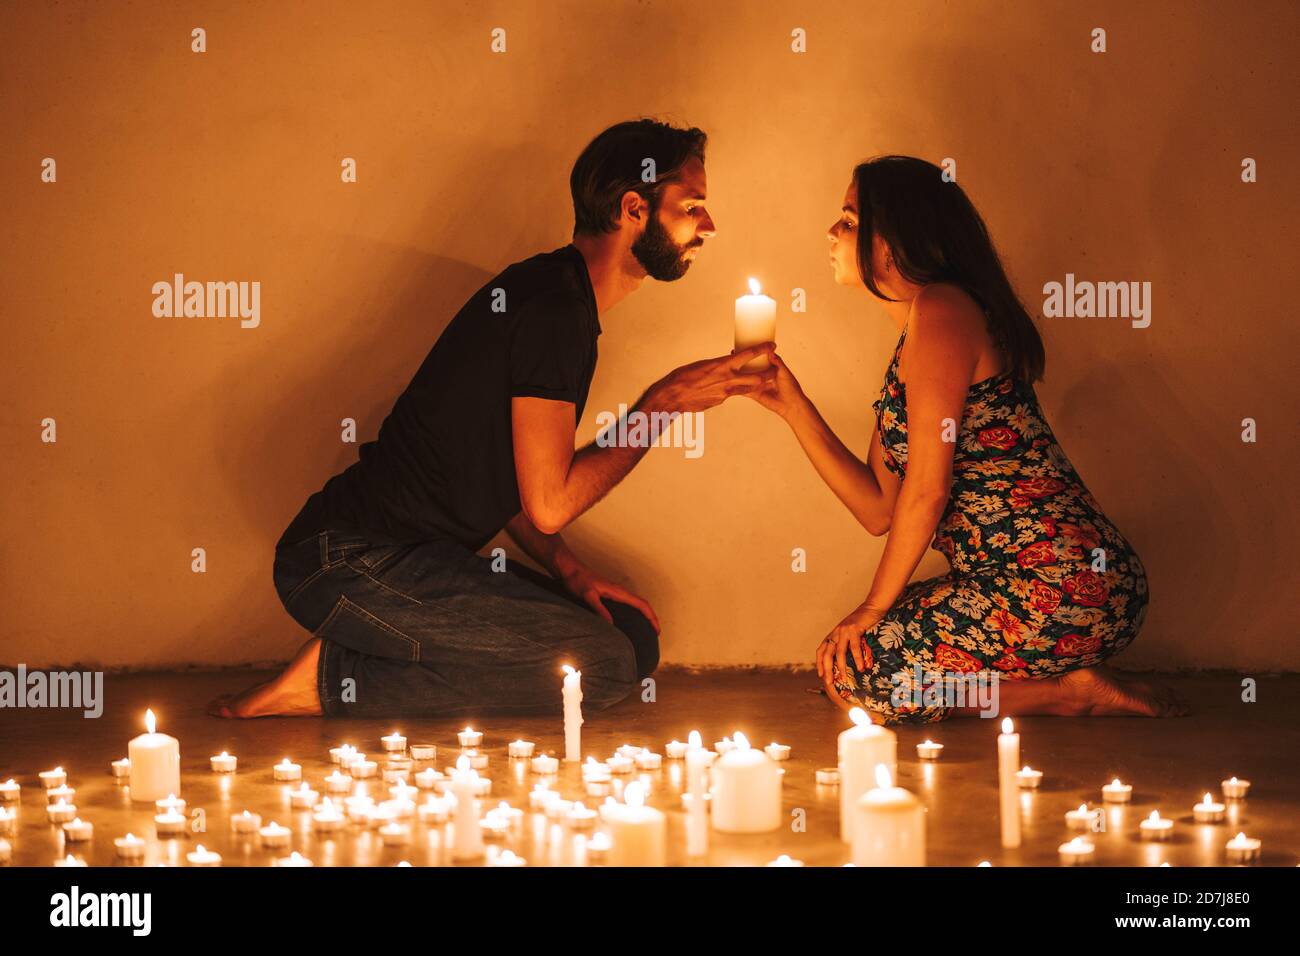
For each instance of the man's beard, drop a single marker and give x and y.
(659, 256)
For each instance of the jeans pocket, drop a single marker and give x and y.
(352, 626)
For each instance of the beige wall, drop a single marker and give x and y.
(183, 433)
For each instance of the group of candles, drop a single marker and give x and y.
(883, 823)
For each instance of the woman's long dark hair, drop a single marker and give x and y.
(935, 235)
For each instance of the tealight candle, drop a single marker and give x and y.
(1080, 819)
(361, 769)
(784, 860)
(170, 802)
(541, 796)
(121, 768)
(402, 791)
(10, 791)
(477, 759)
(395, 834)
(675, 750)
(286, 769)
(361, 810)
(1234, 789)
(545, 764)
(425, 779)
(393, 775)
(338, 782)
(827, 776)
(424, 752)
(65, 793)
(245, 822)
(557, 809)
(627, 750)
(202, 856)
(620, 764)
(169, 823)
(78, 830)
(1207, 811)
(648, 760)
(507, 858)
(929, 750)
(520, 748)
(470, 737)
(595, 771)
(8, 820)
(482, 786)
(223, 763)
(53, 778)
(293, 859)
(890, 825)
(327, 818)
(155, 763)
(581, 817)
(70, 860)
(512, 815)
(394, 742)
(860, 749)
(1028, 779)
(1076, 852)
(747, 790)
(130, 847)
(274, 835)
(777, 751)
(1156, 827)
(63, 811)
(1242, 849)
(342, 754)
(304, 798)
(722, 746)
(434, 810)
(495, 826)
(1116, 792)
(598, 847)
(755, 324)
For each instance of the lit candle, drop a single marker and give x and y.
(304, 798)
(170, 802)
(890, 826)
(777, 751)
(10, 791)
(392, 775)
(620, 764)
(8, 820)
(468, 836)
(558, 809)
(327, 818)
(395, 834)
(828, 777)
(360, 809)
(627, 750)
(286, 769)
(1242, 849)
(723, 745)
(507, 858)
(755, 323)
(245, 822)
(675, 749)
(545, 764)
(394, 742)
(520, 748)
(638, 833)
(1116, 792)
(70, 860)
(169, 823)
(65, 793)
(594, 771)
(337, 754)
(338, 782)
(155, 763)
(424, 752)
(1080, 819)
(130, 847)
(274, 835)
(482, 786)
(784, 860)
(1156, 827)
(572, 714)
(362, 768)
(121, 768)
(78, 830)
(1207, 811)
(53, 778)
(402, 791)
(929, 750)
(434, 810)
(1234, 789)
(223, 763)
(697, 820)
(860, 748)
(1008, 804)
(201, 856)
(580, 816)
(62, 812)
(1028, 779)
(469, 737)
(293, 859)
(746, 790)
(648, 760)
(426, 778)
(477, 759)
(598, 848)
(1076, 852)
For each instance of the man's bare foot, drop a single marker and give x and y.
(290, 694)
(1100, 692)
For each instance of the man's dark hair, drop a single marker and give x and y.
(612, 165)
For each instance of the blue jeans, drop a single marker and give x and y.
(429, 629)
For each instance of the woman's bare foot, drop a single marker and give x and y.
(1100, 692)
(290, 694)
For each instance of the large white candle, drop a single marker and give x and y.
(572, 714)
(746, 790)
(697, 820)
(755, 323)
(155, 763)
(890, 827)
(861, 747)
(636, 831)
(1008, 784)
(468, 842)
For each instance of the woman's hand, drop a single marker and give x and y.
(782, 393)
(584, 583)
(846, 635)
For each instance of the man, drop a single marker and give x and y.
(381, 565)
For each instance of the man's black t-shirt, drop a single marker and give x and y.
(443, 465)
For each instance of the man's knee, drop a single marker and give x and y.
(609, 670)
(637, 628)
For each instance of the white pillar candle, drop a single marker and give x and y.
(10, 791)
(1156, 827)
(78, 830)
(545, 764)
(121, 768)
(469, 737)
(1116, 792)
(697, 820)
(637, 832)
(1028, 779)
(287, 770)
(572, 713)
(223, 763)
(1234, 789)
(1076, 852)
(1242, 849)
(520, 748)
(929, 750)
(130, 847)
(155, 763)
(675, 749)
(62, 812)
(468, 838)
(169, 823)
(777, 751)
(1008, 784)
(755, 323)
(245, 822)
(201, 856)
(394, 742)
(860, 748)
(890, 826)
(53, 778)
(274, 835)
(1207, 811)
(746, 790)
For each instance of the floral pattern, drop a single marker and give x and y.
(1041, 582)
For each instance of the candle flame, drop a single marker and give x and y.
(883, 780)
(1207, 797)
(1025, 769)
(859, 716)
(1115, 782)
(150, 722)
(741, 741)
(694, 740)
(1083, 808)
(1155, 815)
(462, 762)
(754, 287)
(1006, 725)
(634, 795)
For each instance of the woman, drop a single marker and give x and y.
(1043, 586)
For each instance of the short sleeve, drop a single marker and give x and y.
(548, 349)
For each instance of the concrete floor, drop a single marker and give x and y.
(1171, 763)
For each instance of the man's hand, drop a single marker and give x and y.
(584, 583)
(708, 382)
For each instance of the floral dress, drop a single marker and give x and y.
(1041, 582)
